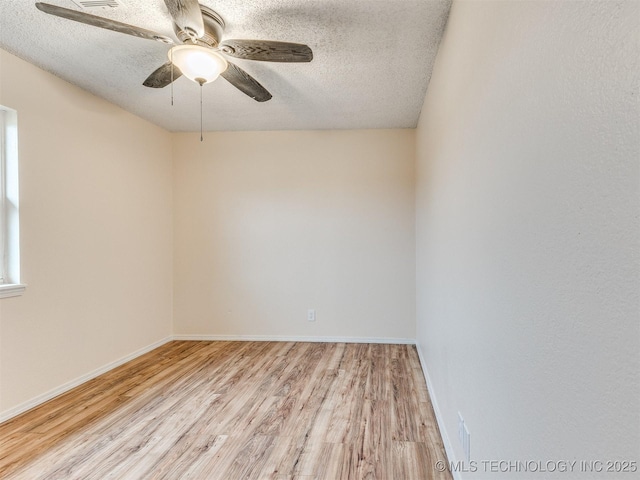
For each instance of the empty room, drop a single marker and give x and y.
(329, 240)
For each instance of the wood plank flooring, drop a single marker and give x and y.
(237, 410)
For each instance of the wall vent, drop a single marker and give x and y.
(98, 4)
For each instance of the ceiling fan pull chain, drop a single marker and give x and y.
(201, 137)
(171, 60)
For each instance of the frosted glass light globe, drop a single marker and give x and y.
(200, 64)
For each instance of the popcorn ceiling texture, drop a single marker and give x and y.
(372, 61)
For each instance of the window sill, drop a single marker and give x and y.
(12, 290)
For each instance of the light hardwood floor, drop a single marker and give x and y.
(237, 410)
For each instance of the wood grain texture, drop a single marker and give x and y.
(187, 16)
(237, 410)
(245, 83)
(267, 50)
(163, 76)
(101, 22)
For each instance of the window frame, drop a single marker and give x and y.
(10, 285)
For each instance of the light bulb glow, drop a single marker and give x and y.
(200, 64)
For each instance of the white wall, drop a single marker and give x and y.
(96, 235)
(528, 231)
(269, 224)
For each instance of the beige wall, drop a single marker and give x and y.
(528, 239)
(267, 225)
(270, 224)
(96, 227)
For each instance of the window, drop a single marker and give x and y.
(9, 223)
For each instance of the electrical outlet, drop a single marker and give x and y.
(311, 315)
(467, 444)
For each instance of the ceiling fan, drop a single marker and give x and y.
(201, 56)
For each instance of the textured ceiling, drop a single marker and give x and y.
(372, 61)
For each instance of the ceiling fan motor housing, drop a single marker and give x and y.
(213, 28)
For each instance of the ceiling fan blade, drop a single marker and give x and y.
(163, 76)
(101, 22)
(187, 16)
(267, 50)
(245, 83)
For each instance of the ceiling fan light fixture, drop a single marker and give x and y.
(200, 64)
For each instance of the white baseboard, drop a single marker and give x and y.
(446, 440)
(286, 338)
(34, 402)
